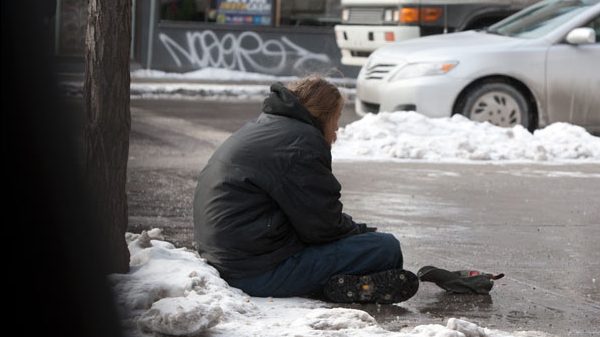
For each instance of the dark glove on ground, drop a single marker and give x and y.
(461, 281)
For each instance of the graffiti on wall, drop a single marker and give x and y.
(247, 51)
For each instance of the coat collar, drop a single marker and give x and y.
(283, 102)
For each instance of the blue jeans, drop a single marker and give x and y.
(307, 271)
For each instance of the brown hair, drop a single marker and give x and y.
(321, 98)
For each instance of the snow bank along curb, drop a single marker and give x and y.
(411, 136)
(208, 83)
(175, 90)
(182, 90)
(227, 75)
(172, 291)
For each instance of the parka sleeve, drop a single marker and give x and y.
(309, 194)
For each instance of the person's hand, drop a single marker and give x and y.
(366, 229)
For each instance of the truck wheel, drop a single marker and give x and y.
(499, 103)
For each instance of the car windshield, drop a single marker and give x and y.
(540, 19)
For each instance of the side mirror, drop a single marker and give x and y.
(582, 35)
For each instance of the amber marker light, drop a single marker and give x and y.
(431, 14)
(414, 15)
(446, 67)
(409, 15)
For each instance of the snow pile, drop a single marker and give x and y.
(204, 74)
(199, 90)
(221, 74)
(173, 292)
(335, 319)
(182, 90)
(411, 136)
(178, 316)
(207, 83)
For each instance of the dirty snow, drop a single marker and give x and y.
(210, 83)
(220, 74)
(411, 136)
(190, 90)
(253, 92)
(204, 74)
(172, 291)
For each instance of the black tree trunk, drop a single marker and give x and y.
(108, 122)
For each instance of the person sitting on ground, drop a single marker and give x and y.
(267, 210)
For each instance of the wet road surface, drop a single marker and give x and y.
(538, 224)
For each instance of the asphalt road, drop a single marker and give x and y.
(539, 224)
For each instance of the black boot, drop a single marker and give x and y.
(390, 286)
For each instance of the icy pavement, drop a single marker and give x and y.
(172, 291)
(412, 136)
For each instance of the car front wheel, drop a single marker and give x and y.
(498, 103)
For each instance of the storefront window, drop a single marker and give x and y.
(254, 12)
(310, 12)
(245, 12)
(189, 10)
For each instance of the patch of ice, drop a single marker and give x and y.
(551, 174)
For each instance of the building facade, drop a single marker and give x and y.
(278, 37)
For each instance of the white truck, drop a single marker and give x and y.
(369, 24)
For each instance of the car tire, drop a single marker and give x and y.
(498, 103)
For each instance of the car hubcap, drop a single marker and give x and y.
(497, 108)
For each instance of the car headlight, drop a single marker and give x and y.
(411, 70)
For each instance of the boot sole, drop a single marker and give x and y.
(390, 286)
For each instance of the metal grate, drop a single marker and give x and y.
(378, 71)
(362, 15)
(357, 53)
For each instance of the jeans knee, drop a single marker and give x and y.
(391, 249)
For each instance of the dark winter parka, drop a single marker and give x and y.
(268, 191)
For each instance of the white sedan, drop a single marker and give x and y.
(536, 67)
